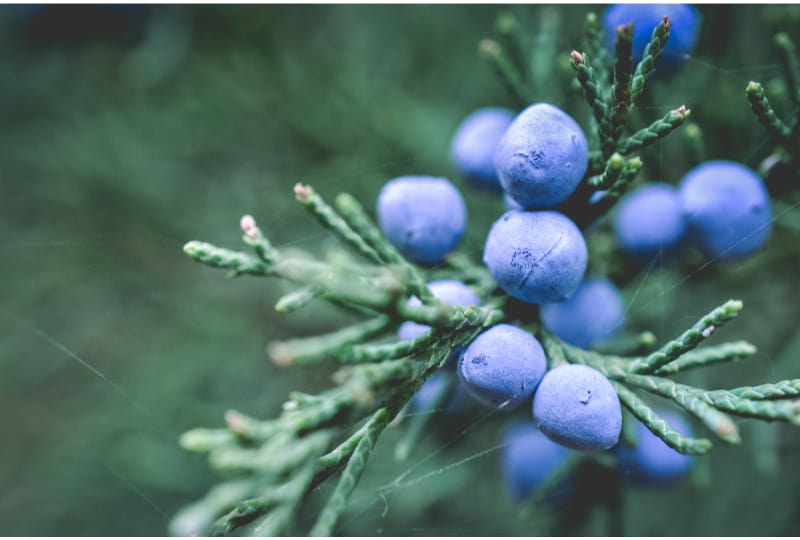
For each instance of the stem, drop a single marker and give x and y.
(689, 339)
(647, 67)
(655, 131)
(658, 425)
(355, 466)
(766, 114)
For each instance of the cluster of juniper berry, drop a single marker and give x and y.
(520, 327)
(538, 255)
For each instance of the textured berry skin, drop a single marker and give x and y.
(649, 220)
(727, 209)
(422, 216)
(576, 406)
(502, 366)
(684, 30)
(652, 461)
(536, 256)
(542, 157)
(474, 144)
(447, 291)
(594, 313)
(527, 459)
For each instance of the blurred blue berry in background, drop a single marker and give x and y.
(652, 461)
(441, 393)
(727, 209)
(649, 221)
(684, 31)
(474, 144)
(594, 313)
(527, 459)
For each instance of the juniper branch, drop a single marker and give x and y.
(340, 285)
(688, 398)
(659, 426)
(593, 94)
(288, 446)
(763, 409)
(788, 55)
(594, 44)
(331, 220)
(315, 348)
(689, 339)
(507, 27)
(765, 113)
(621, 97)
(655, 131)
(623, 74)
(612, 172)
(196, 518)
(778, 390)
(493, 53)
(353, 213)
(355, 466)
(298, 299)
(652, 52)
(588, 215)
(287, 495)
(706, 356)
(379, 352)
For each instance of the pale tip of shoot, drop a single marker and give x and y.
(302, 192)
(248, 224)
(489, 48)
(753, 87)
(191, 248)
(728, 431)
(576, 57)
(235, 422)
(280, 354)
(681, 111)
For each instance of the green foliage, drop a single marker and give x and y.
(113, 154)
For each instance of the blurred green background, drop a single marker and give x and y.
(127, 131)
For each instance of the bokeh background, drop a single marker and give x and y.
(126, 131)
